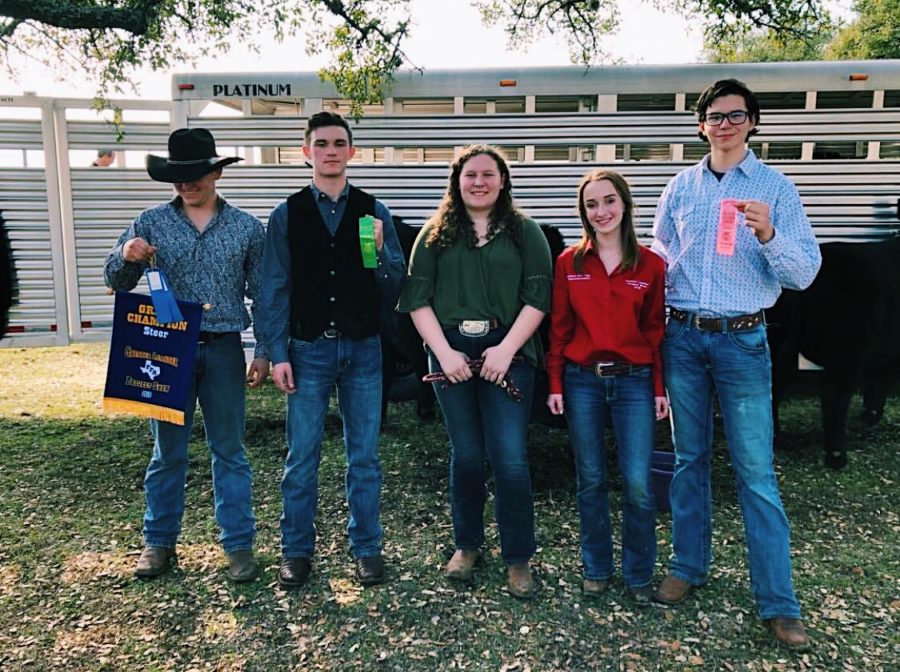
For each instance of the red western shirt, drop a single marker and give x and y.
(598, 317)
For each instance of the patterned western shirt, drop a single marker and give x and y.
(687, 217)
(219, 266)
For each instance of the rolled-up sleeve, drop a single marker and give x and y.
(418, 290)
(537, 267)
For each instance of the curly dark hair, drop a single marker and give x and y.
(452, 219)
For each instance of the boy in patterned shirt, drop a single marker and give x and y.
(733, 232)
(212, 254)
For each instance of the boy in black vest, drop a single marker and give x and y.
(323, 289)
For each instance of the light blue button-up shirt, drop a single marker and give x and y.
(701, 281)
(276, 287)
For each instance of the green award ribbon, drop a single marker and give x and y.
(367, 241)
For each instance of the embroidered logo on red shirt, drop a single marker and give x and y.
(637, 284)
(578, 276)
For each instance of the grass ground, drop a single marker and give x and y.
(71, 502)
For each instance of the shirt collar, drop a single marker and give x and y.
(319, 194)
(748, 165)
(220, 204)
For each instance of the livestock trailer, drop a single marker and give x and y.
(832, 127)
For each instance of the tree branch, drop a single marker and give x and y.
(135, 17)
(338, 8)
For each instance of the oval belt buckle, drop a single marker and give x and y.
(474, 327)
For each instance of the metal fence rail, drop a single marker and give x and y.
(547, 129)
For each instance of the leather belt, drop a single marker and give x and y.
(612, 369)
(736, 323)
(210, 336)
(477, 327)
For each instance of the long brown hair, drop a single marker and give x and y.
(631, 255)
(451, 220)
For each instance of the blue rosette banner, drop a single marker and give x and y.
(150, 364)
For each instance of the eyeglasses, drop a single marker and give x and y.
(735, 117)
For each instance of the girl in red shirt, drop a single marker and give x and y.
(607, 324)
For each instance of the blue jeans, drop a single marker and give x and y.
(736, 366)
(218, 381)
(484, 421)
(591, 403)
(354, 365)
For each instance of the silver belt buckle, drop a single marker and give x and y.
(474, 327)
(599, 366)
(331, 333)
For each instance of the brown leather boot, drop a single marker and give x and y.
(462, 565)
(789, 632)
(592, 588)
(519, 581)
(673, 590)
(154, 561)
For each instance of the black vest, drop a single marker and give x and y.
(331, 289)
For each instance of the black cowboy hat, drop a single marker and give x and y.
(192, 154)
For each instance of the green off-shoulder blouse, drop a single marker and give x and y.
(489, 282)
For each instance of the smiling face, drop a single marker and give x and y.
(480, 182)
(328, 150)
(602, 208)
(199, 193)
(727, 137)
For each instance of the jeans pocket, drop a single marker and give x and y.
(674, 330)
(752, 340)
(299, 344)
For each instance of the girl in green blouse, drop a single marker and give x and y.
(478, 288)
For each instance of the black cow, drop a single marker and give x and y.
(404, 355)
(8, 284)
(539, 411)
(848, 322)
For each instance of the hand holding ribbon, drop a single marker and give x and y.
(164, 304)
(506, 383)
